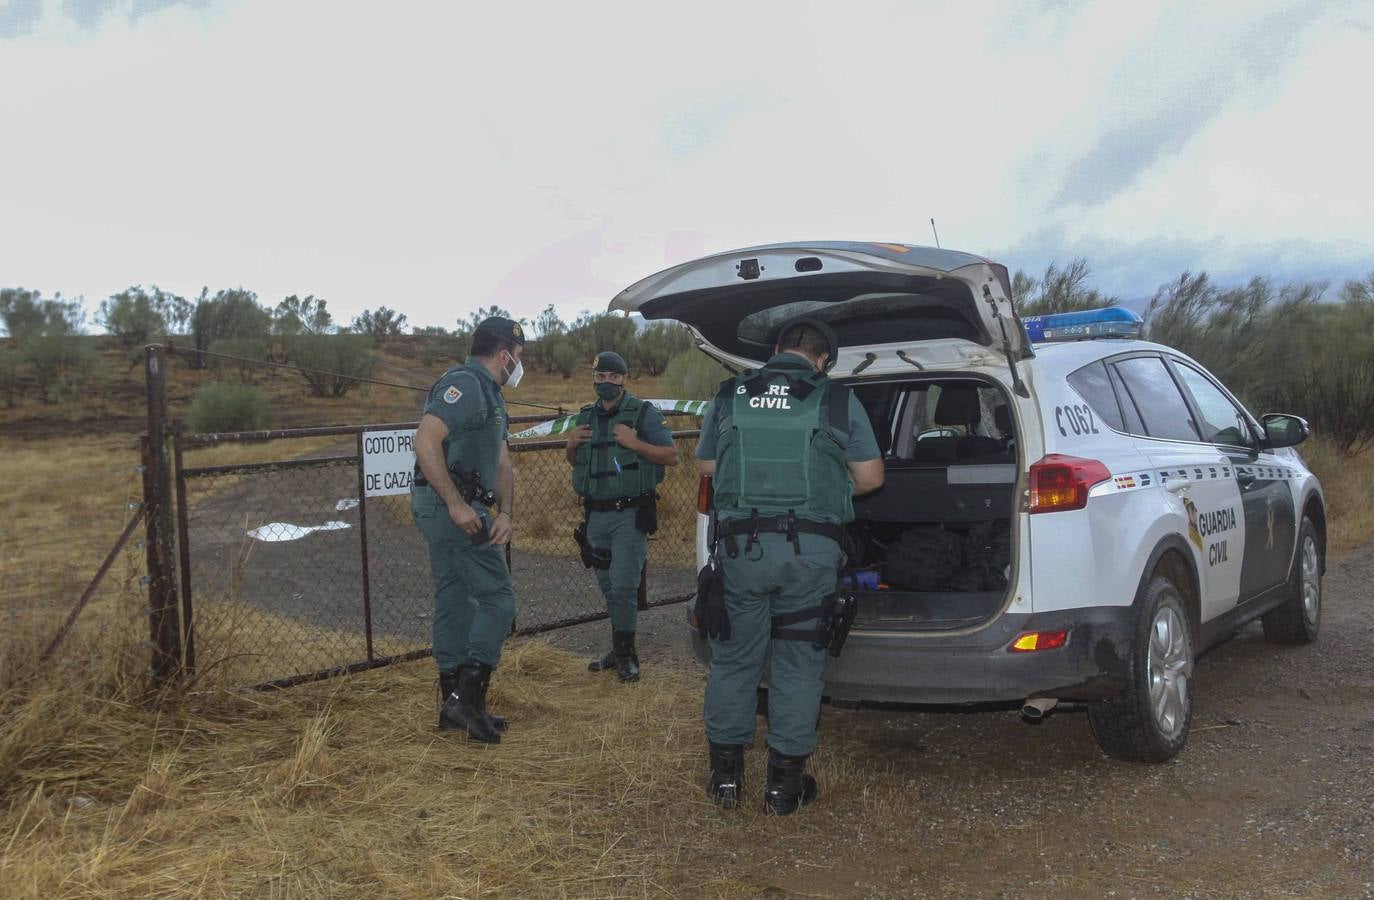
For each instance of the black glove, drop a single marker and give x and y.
(712, 618)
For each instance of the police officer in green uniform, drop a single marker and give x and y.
(618, 449)
(787, 449)
(462, 500)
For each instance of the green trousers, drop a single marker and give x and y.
(771, 580)
(616, 532)
(474, 602)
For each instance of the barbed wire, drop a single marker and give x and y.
(188, 351)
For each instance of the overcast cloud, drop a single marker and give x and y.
(436, 156)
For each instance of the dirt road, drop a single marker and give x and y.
(1274, 794)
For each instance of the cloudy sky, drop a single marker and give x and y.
(432, 157)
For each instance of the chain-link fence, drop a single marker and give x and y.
(289, 571)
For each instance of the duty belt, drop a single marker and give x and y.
(787, 524)
(618, 504)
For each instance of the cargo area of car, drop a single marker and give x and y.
(932, 549)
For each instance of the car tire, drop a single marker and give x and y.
(1149, 720)
(1299, 618)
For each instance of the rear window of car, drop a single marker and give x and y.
(1155, 397)
(1095, 387)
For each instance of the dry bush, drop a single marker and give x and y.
(1348, 484)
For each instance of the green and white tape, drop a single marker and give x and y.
(564, 425)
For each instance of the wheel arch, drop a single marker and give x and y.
(1314, 509)
(1172, 557)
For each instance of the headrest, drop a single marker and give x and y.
(1001, 417)
(957, 406)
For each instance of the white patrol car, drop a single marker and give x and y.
(1068, 513)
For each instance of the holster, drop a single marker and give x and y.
(646, 515)
(833, 620)
(592, 558)
(841, 620)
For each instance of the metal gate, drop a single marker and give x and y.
(289, 573)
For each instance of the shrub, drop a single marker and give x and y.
(229, 314)
(220, 406)
(10, 383)
(61, 363)
(251, 352)
(333, 362)
(692, 376)
(656, 345)
(132, 316)
(1334, 394)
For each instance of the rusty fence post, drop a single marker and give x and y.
(183, 540)
(362, 538)
(164, 629)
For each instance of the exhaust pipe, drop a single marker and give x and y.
(1036, 708)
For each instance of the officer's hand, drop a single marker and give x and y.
(466, 518)
(625, 436)
(579, 436)
(501, 529)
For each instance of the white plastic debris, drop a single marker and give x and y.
(284, 531)
(346, 504)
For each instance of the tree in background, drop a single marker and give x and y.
(297, 315)
(379, 325)
(1247, 336)
(657, 344)
(1059, 291)
(49, 332)
(136, 314)
(231, 313)
(692, 375)
(333, 363)
(21, 311)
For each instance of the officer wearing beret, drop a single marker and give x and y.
(462, 500)
(787, 449)
(618, 449)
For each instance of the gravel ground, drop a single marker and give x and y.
(1274, 795)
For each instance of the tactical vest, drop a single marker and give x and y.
(477, 444)
(604, 470)
(780, 444)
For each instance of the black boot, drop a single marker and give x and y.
(727, 774)
(448, 684)
(626, 659)
(465, 709)
(789, 787)
(604, 663)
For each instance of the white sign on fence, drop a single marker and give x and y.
(388, 462)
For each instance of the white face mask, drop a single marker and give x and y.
(514, 375)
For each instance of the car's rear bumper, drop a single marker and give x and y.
(978, 668)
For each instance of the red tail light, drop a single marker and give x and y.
(1030, 641)
(704, 495)
(1060, 482)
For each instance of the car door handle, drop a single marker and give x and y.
(1177, 486)
(1245, 479)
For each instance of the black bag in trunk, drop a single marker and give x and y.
(987, 553)
(923, 559)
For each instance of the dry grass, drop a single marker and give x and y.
(344, 787)
(1348, 483)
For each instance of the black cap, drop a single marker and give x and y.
(508, 329)
(610, 361)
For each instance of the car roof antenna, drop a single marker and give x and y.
(936, 233)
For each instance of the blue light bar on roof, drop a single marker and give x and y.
(1108, 322)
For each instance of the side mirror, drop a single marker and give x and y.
(1283, 430)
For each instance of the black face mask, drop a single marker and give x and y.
(608, 391)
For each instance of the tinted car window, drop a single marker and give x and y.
(1222, 422)
(1156, 398)
(1092, 384)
